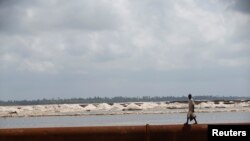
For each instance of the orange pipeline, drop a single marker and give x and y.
(108, 133)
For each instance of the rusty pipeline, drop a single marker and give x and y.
(108, 133)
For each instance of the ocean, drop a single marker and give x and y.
(123, 119)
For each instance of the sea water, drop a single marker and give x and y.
(127, 119)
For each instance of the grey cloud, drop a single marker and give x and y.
(38, 16)
(110, 48)
(241, 6)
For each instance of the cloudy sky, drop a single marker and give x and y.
(87, 48)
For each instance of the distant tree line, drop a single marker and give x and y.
(114, 100)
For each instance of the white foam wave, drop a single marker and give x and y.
(121, 108)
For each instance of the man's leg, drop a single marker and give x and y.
(187, 120)
(195, 120)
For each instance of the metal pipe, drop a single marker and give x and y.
(108, 133)
(178, 133)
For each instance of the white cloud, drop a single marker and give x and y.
(83, 37)
(135, 34)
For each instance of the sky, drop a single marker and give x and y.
(87, 48)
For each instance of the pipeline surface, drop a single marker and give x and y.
(108, 133)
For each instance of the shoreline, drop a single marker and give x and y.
(121, 108)
(85, 115)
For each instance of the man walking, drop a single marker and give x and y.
(190, 115)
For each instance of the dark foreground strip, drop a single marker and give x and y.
(111, 133)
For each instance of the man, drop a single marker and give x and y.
(190, 114)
